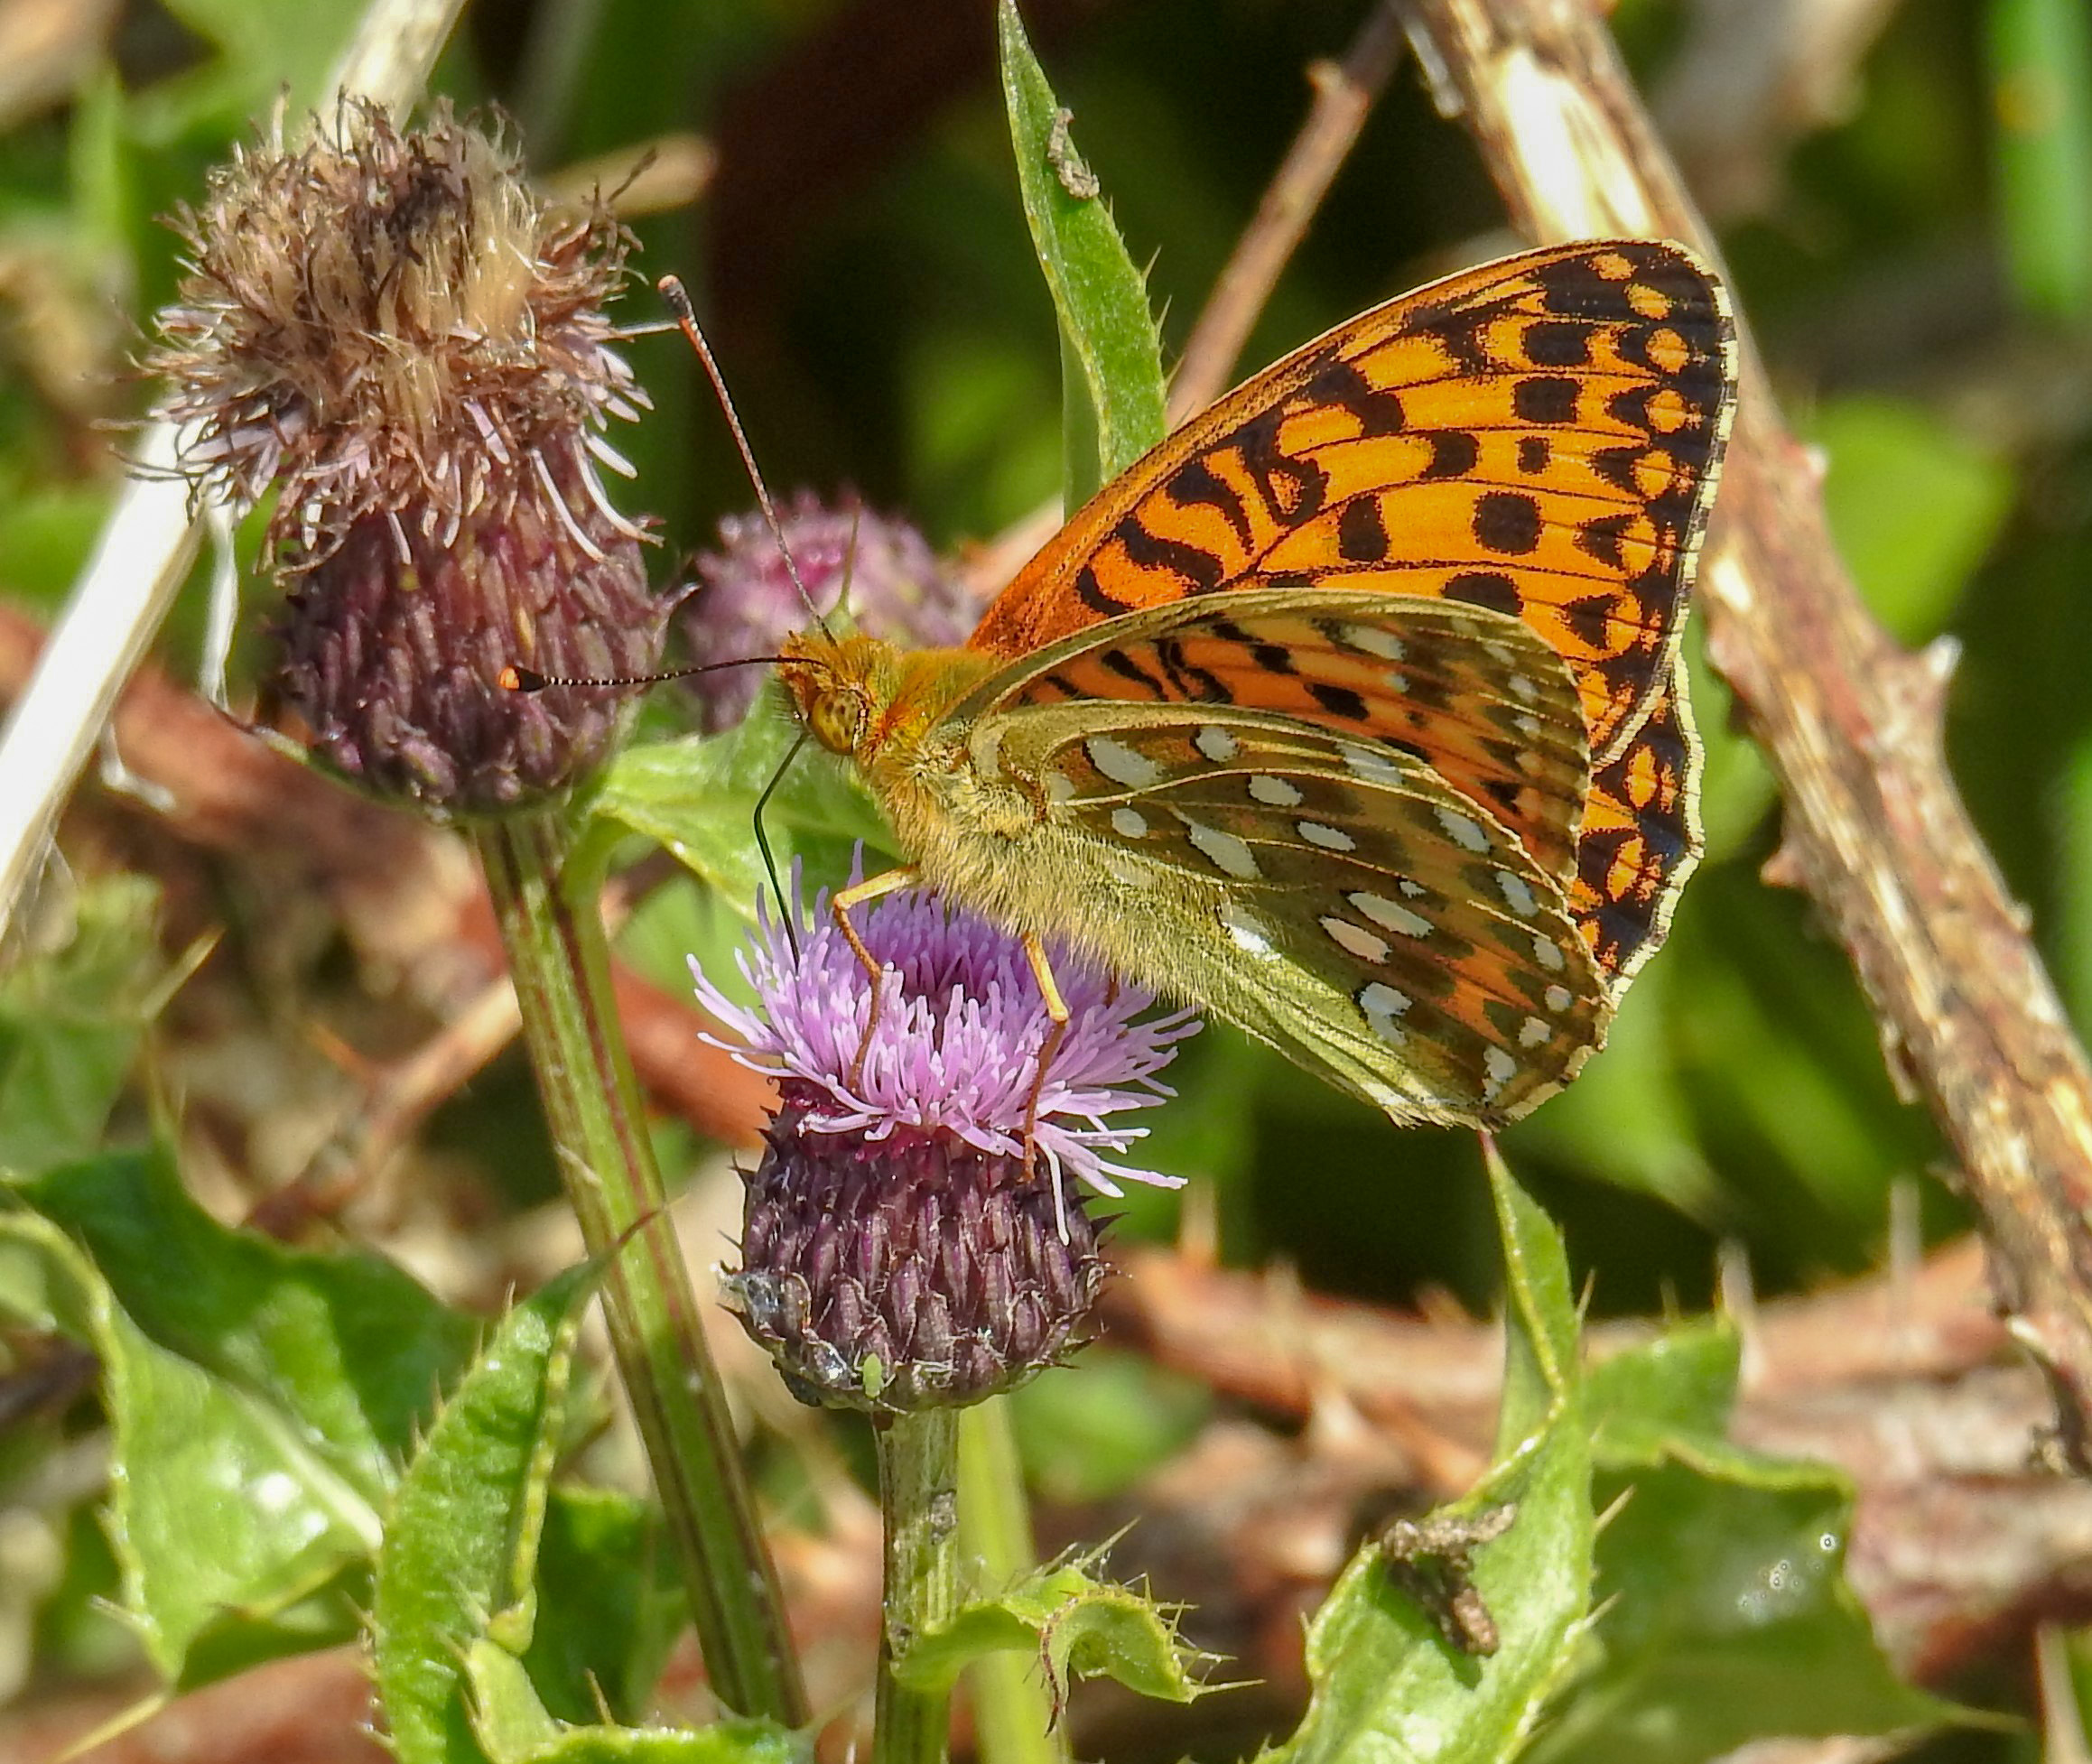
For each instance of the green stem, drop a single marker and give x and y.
(918, 1493)
(1012, 1719)
(559, 964)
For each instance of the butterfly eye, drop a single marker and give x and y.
(835, 717)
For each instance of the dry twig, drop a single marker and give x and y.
(1849, 721)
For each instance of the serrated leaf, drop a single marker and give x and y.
(1726, 1617)
(1075, 1625)
(461, 1543)
(1387, 1687)
(345, 1350)
(514, 1728)
(695, 797)
(71, 1022)
(230, 1525)
(1113, 392)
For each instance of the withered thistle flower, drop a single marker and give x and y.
(387, 327)
(745, 602)
(896, 1253)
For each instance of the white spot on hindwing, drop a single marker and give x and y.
(1500, 1069)
(1373, 641)
(1374, 767)
(1330, 838)
(1517, 894)
(1463, 830)
(1059, 787)
(1274, 793)
(1556, 998)
(1216, 744)
(1382, 1005)
(1548, 955)
(1128, 824)
(1355, 939)
(1532, 1032)
(1224, 851)
(1388, 914)
(1121, 765)
(1248, 934)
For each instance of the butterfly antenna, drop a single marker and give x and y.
(672, 290)
(515, 678)
(788, 910)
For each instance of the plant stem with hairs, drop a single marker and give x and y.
(918, 1494)
(561, 965)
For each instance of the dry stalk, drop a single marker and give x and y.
(1850, 721)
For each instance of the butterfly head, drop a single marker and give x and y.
(837, 684)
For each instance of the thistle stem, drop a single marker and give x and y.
(918, 1493)
(560, 962)
(1013, 1722)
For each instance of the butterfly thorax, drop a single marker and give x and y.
(871, 702)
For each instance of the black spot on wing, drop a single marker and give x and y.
(1361, 534)
(1338, 700)
(1091, 593)
(1118, 662)
(1545, 398)
(1195, 485)
(1507, 521)
(1201, 570)
(1487, 587)
(1455, 454)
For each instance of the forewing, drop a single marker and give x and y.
(1471, 693)
(1640, 838)
(1540, 436)
(1336, 897)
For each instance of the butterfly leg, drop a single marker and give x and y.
(1058, 1009)
(887, 882)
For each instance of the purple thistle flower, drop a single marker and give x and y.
(897, 1252)
(745, 603)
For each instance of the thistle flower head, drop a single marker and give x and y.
(875, 567)
(388, 328)
(897, 1253)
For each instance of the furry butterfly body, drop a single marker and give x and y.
(1352, 713)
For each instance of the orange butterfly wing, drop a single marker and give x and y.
(1539, 436)
(1641, 839)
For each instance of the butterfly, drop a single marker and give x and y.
(1354, 711)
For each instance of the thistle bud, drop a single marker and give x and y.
(896, 1251)
(876, 568)
(388, 328)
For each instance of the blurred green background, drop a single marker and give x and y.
(1909, 222)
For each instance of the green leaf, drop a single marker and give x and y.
(460, 1544)
(1726, 1616)
(344, 1353)
(609, 1604)
(1078, 1627)
(514, 1728)
(1386, 1685)
(231, 1524)
(71, 1022)
(696, 798)
(1111, 352)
